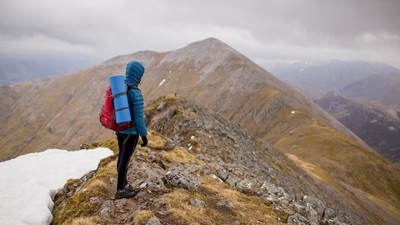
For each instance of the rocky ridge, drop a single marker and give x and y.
(199, 169)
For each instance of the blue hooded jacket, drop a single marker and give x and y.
(133, 76)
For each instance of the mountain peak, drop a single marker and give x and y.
(211, 41)
(209, 51)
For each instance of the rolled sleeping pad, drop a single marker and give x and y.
(121, 105)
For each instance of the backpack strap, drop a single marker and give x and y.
(130, 87)
(119, 94)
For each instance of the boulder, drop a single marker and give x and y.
(180, 177)
(153, 221)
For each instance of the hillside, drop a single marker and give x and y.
(8, 96)
(199, 169)
(63, 113)
(378, 129)
(371, 91)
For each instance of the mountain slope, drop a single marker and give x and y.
(8, 96)
(373, 85)
(63, 112)
(378, 129)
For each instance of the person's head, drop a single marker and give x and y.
(134, 73)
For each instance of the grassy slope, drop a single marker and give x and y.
(56, 113)
(79, 209)
(345, 164)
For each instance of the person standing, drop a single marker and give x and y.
(128, 138)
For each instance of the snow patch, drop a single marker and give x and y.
(161, 83)
(29, 182)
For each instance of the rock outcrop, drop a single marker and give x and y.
(199, 169)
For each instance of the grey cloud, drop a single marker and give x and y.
(263, 29)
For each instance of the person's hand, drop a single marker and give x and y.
(144, 140)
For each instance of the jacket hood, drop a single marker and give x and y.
(134, 73)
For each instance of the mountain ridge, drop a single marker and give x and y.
(222, 159)
(237, 89)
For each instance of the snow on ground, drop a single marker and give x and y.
(161, 83)
(29, 182)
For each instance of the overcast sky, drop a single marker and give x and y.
(263, 30)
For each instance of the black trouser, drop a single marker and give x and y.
(126, 145)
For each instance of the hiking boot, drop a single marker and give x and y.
(124, 193)
(129, 188)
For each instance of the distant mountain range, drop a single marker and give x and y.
(63, 112)
(381, 90)
(371, 83)
(364, 90)
(25, 68)
(334, 75)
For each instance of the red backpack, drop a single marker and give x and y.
(107, 114)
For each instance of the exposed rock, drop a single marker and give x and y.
(225, 203)
(163, 205)
(197, 202)
(311, 214)
(120, 203)
(329, 213)
(206, 170)
(95, 200)
(316, 203)
(297, 219)
(155, 184)
(231, 180)
(193, 168)
(107, 209)
(216, 178)
(183, 178)
(153, 221)
(268, 188)
(245, 186)
(222, 174)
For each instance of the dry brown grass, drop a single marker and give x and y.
(78, 207)
(142, 217)
(179, 156)
(246, 209)
(86, 221)
(156, 141)
(342, 162)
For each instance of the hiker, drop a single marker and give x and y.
(128, 138)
